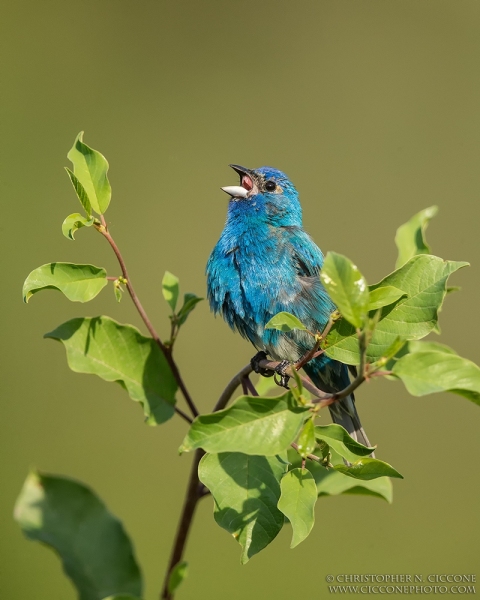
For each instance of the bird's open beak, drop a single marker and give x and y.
(246, 183)
(235, 191)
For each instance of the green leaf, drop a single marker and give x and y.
(117, 290)
(423, 280)
(297, 502)
(338, 438)
(90, 169)
(439, 370)
(92, 544)
(306, 439)
(368, 468)
(79, 283)
(246, 490)
(414, 347)
(383, 296)
(170, 289)
(347, 287)
(74, 222)
(284, 321)
(410, 237)
(332, 483)
(264, 385)
(177, 576)
(252, 425)
(189, 303)
(80, 191)
(115, 352)
(397, 348)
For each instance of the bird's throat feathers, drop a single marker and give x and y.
(258, 216)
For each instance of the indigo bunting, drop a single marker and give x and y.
(265, 263)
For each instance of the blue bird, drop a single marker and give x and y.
(265, 263)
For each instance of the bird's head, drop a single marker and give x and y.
(268, 193)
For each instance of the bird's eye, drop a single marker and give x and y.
(270, 186)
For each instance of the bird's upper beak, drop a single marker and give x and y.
(246, 183)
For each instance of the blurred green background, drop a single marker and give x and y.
(372, 108)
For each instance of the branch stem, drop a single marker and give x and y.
(232, 385)
(310, 456)
(321, 398)
(195, 490)
(249, 385)
(103, 229)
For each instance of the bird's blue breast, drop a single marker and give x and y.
(257, 270)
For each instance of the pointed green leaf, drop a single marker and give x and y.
(246, 490)
(170, 289)
(79, 283)
(92, 544)
(383, 296)
(297, 502)
(439, 370)
(330, 482)
(415, 347)
(397, 344)
(116, 352)
(338, 438)
(80, 191)
(410, 237)
(189, 303)
(333, 483)
(117, 290)
(306, 439)
(368, 468)
(284, 321)
(177, 576)
(90, 169)
(423, 280)
(347, 287)
(74, 222)
(252, 425)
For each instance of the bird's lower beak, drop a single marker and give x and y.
(246, 183)
(236, 191)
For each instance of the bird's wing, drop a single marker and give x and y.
(311, 299)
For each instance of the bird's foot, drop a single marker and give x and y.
(255, 363)
(282, 379)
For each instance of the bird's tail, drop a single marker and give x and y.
(344, 413)
(332, 376)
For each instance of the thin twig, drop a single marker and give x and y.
(249, 385)
(381, 373)
(307, 384)
(321, 398)
(232, 385)
(184, 415)
(307, 357)
(316, 350)
(310, 456)
(359, 379)
(141, 311)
